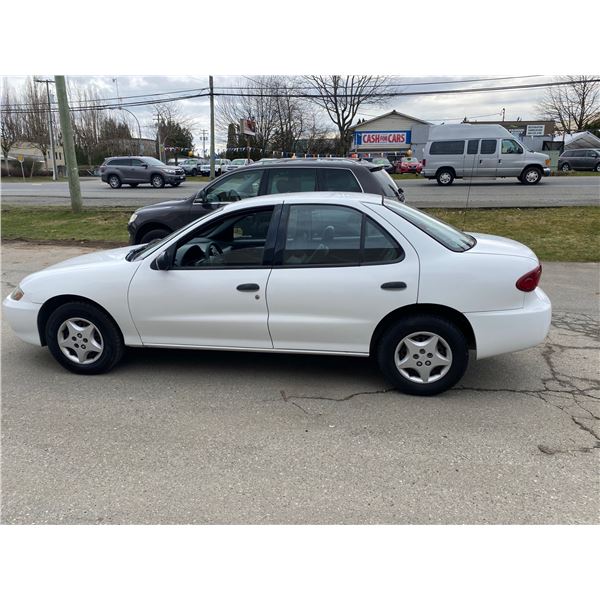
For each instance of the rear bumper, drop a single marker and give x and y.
(498, 332)
(22, 318)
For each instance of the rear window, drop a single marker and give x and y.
(441, 232)
(388, 185)
(338, 180)
(119, 162)
(450, 147)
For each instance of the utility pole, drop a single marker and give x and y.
(204, 132)
(69, 145)
(50, 127)
(157, 119)
(212, 128)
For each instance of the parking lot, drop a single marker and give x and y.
(552, 191)
(209, 437)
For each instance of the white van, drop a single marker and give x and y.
(471, 150)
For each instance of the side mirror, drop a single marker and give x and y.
(162, 261)
(145, 166)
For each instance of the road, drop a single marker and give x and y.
(208, 437)
(552, 191)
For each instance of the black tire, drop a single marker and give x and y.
(111, 340)
(157, 181)
(531, 176)
(450, 335)
(114, 181)
(194, 173)
(133, 184)
(597, 168)
(565, 167)
(155, 234)
(445, 177)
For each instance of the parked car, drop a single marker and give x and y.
(191, 166)
(319, 273)
(134, 170)
(408, 164)
(580, 160)
(287, 175)
(236, 163)
(384, 162)
(220, 166)
(469, 150)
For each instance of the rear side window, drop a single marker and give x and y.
(488, 146)
(285, 181)
(451, 147)
(119, 162)
(472, 146)
(338, 180)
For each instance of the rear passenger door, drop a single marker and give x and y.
(337, 180)
(139, 171)
(325, 290)
(291, 180)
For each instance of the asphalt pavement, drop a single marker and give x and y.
(216, 437)
(552, 191)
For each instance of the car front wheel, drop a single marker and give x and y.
(157, 181)
(565, 167)
(83, 339)
(531, 176)
(597, 169)
(423, 355)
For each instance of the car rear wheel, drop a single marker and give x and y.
(154, 234)
(445, 177)
(565, 167)
(423, 355)
(194, 173)
(114, 181)
(531, 176)
(157, 181)
(83, 339)
(597, 169)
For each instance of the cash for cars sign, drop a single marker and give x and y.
(381, 138)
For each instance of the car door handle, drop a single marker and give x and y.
(393, 285)
(248, 287)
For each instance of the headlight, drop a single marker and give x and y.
(170, 171)
(17, 294)
(132, 218)
(547, 162)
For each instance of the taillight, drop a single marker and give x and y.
(530, 280)
(424, 162)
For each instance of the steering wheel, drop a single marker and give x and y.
(233, 196)
(212, 250)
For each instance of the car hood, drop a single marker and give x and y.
(166, 204)
(95, 258)
(494, 244)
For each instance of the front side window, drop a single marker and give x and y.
(511, 147)
(239, 185)
(285, 181)
(232, 241)
(319, 235)
(339, 180)
(450, 147)
(136, 162)
(488, 146)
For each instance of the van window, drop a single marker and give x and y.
(488, 146)
(511, 147)
(453, 147)
(472, 146)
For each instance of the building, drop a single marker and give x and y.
(534, 135)
(30, 154)
(390, 135)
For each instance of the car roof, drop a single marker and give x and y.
(346, 198)
(320, 163)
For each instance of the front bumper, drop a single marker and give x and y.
(22, 318)
(547, 172)
(497, 332)
(174, 178)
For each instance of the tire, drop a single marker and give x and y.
(194, 173)
(597, 168)
(445, 177)
(134, 185)
(451, 352)
(157, 181)
(531, 176)
(155, 234)
(114, 181)
(566, 168)
(74, 351)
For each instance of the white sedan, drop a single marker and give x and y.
(318, 273)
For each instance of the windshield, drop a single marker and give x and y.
(147, 249)
(387, 183)
(153, 161)
(441, 232)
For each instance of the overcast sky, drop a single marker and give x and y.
(435, 108)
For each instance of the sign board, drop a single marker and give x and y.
(381, 138)
(517, 132)
(21, 158)
(248, 126)
(535, 130)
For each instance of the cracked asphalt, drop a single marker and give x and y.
(210, 437)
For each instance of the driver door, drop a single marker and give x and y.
(214, 293)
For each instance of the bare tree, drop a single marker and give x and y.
(342, 96)
(35, 121)
(171, 127)
(87, 123)
(10, 123)
(574, 106)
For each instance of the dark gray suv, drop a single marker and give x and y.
(585, 159)
(279, 177)
(134, 170)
